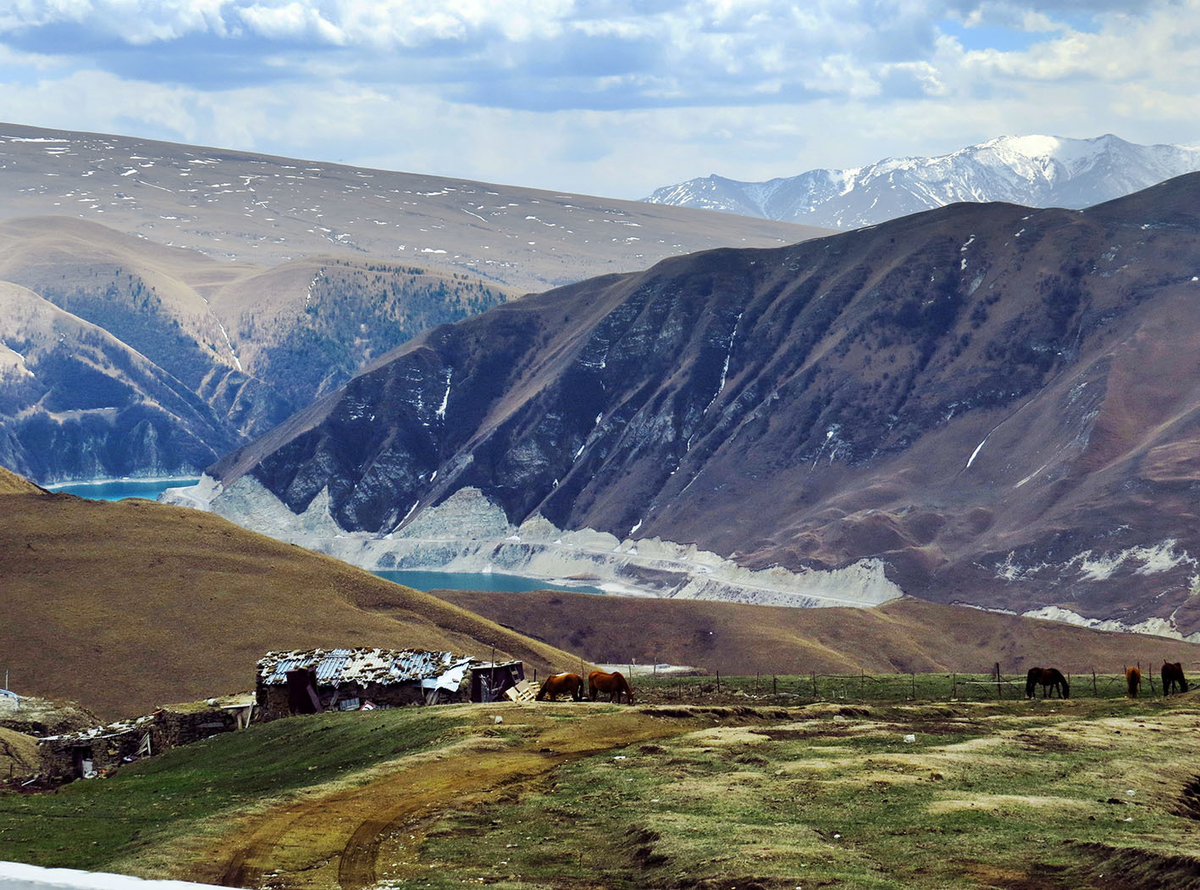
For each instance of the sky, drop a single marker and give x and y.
(613, 97)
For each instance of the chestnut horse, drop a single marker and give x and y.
(1049, 679)
(614, 684)
(562, 684)
(1133, 680)
(1172, 677)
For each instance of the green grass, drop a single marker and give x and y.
(900, 795)
(792, 689)
(982, 796)
(89, 824)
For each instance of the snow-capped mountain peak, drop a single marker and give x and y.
(1035, 170)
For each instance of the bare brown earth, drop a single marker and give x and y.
(334, 837)
(123, 606)
(904, 635)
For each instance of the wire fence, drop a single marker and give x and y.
(864, 687)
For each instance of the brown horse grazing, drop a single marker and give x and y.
(1049, 679)
(614, 684)
(562, 684)
(1172, 677)
(1133, 680)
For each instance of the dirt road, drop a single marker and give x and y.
(335, 839)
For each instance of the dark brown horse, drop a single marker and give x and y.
(614, 684)
(562, 684)
(1133, 681)
(1172, 677)
(1050, 679)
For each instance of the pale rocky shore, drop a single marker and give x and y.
(469, 533)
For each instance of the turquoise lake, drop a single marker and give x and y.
(120, 489)
(490, 581)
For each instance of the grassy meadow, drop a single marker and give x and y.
(1090, 792)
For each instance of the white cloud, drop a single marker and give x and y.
(601, 97)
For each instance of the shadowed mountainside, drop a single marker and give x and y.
(998, 403)
(241, 347)
(124, 606)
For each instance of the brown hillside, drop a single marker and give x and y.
(904, 635)
(123, 606)
(11, 483)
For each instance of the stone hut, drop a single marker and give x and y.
(97, 751)
(314, 680)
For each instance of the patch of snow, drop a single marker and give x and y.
(441, 411)
(18, 876)
(975, 453)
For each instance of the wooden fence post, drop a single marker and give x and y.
(954, 686)
(774, 685)
(999, 688)
(1095, 694)
(913, 674)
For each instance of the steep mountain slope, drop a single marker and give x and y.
(1038, 171)
(72, 395)
(245, 345)
(267, 210)
(984, 403)
(124, 606)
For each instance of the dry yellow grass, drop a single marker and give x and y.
(123, 606)
(18, 754)
(901, 636)
(11, 483)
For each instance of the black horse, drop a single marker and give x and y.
(1049, 679)
(1172, 677)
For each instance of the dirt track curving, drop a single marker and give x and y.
(335, 839)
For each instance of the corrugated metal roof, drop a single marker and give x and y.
(330, 667)
(336, 666)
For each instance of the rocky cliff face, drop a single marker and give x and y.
(998, 404)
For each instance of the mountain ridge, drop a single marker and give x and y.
(1036, 171)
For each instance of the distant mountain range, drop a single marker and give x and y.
(1036, 171)
(984, 403)
(166, 303)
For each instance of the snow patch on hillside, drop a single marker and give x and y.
(1159, 627)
